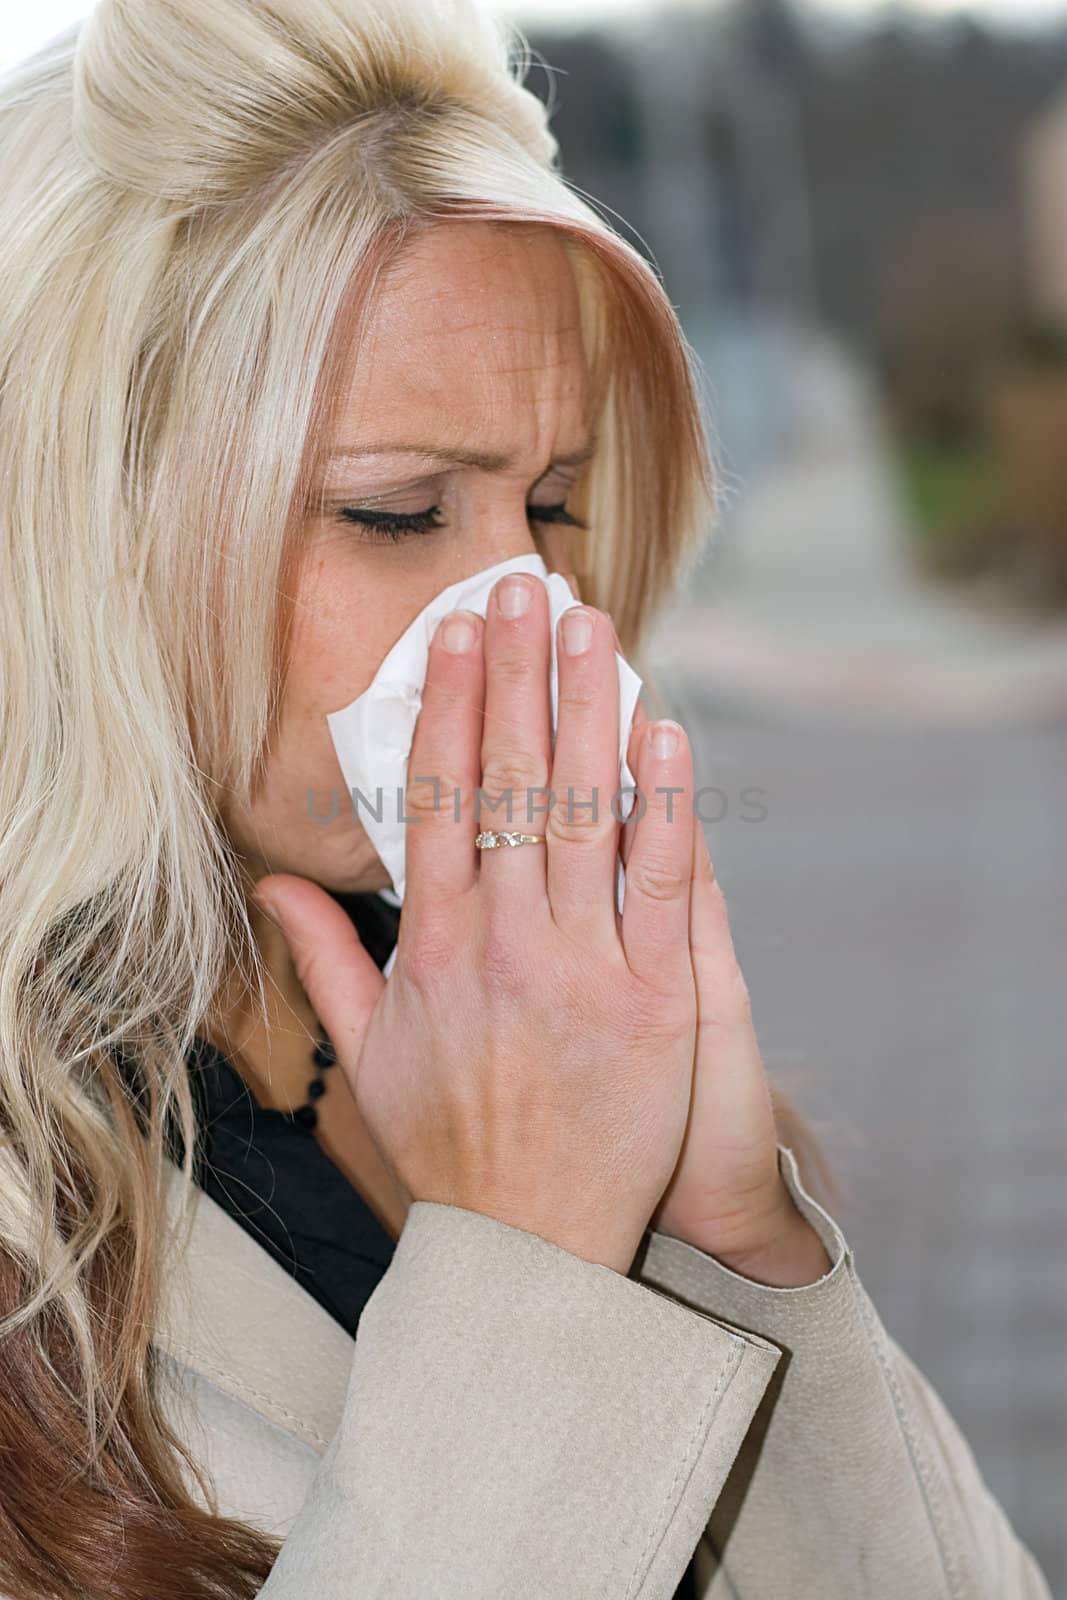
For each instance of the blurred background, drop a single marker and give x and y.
(860, 213)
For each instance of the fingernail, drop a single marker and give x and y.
(664, 738)
(576, 628)
(457, 632)
(513, 596)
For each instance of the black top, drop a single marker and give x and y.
(275, 1178)
(277, 1181)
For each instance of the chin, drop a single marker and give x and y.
(364, 878)
(332, 870)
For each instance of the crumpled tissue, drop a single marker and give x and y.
(373, 735)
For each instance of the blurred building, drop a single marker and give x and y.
(684, 131)
(723, 173)
(769, 164)
(1044, 160)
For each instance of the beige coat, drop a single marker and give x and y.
(515, 1423)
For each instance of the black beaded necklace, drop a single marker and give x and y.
(323, 1055)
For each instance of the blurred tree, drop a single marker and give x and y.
(950, 303)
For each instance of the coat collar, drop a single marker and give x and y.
(232, 1314)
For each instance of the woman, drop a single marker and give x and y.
(300, 325)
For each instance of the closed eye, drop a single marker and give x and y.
(397, 525)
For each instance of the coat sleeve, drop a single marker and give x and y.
(854, 1482)
(520, 1422)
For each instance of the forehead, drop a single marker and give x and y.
(475, 331)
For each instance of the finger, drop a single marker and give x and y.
(721, 986)
(637, 722)
(339, 977)
(730, 1088)
(516, 737)
(444, 768)
(582, 826)
(655, 915)
(576, 591)
(638, 725)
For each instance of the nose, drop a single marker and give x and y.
(500, 540)
(504, 539)
(502, 531)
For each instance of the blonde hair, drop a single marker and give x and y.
(197, 197)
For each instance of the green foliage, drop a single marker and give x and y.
(1041, 346)
(954, 494)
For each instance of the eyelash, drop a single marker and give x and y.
(397, 524)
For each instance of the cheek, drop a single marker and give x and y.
(328, 667)
(346, 617)
(345, 622)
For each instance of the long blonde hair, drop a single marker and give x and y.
(196, 200)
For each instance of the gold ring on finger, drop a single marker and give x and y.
(490, 840)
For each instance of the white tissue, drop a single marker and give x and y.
(373, 735)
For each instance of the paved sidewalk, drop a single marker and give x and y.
(808, 596)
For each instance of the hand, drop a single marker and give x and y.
(726, 1195)
(531, 1055)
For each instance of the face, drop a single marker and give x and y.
(474, 344)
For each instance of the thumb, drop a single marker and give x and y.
(340, 979)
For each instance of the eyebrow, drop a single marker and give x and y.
(487, 460)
